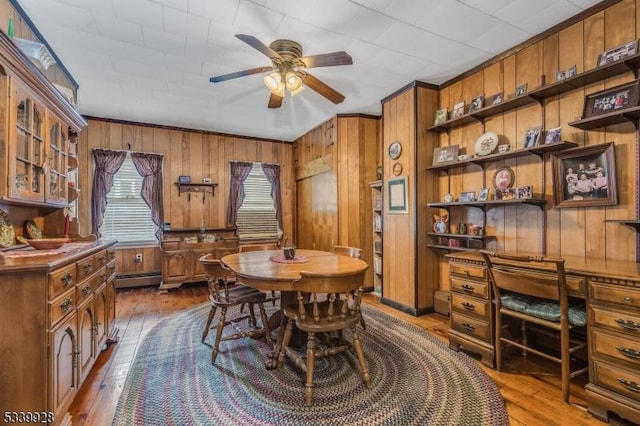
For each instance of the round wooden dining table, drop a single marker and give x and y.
(267, 270)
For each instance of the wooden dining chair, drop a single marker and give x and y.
(225, 294)
(244, 248)
(540, 299)
(354, 252)
(325, 303)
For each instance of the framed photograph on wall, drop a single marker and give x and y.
(532, 137)
(445, 154)
(521, 90)
(184, 179)
(585, 177)
(458, 110)
(397, 195)
(494, 99)
(483, 195)
(552, 136)
(614, 99)
(476, 104)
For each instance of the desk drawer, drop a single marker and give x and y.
(576, 286)
(61, 306)
(471, 326)
(625, 296)
(100, 259)
(620, 380)
(468, 271)
(470, 287)
(61, 280)
(616, 346)
(472, 306)
(85, 268)
(625, 322)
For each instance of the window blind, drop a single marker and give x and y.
(127, 217)
(257, 215)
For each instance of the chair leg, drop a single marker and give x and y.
(565, 365)
(212, 313)
(498, 344)
(265, 325)
(216, 344)
(525, 339)
(311, 358)
(363, 363)
(252, 316)
(288, 331)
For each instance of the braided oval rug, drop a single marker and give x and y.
(416, 380)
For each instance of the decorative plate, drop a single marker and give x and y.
(395, 149)
(7, 233)
(397, 169)
(486, 143)
(503, 178)
(31, 230)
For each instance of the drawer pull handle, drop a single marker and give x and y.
(65, 305)
(66, 279)
(628, 299)
(628, 352)
(632, 386)
(86, 290)
(88, 268)
(628, 324)
(101, 260)
(468, 327)
(468, 288)
(469, 306)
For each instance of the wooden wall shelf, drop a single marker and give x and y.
(615, 117)
(634, 223)
(204, 188)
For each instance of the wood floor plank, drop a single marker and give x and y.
(531, 398)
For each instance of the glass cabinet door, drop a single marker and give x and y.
(56, 181)
(27, 176)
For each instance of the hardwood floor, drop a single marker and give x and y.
(532, 398)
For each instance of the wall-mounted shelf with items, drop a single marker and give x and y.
(616, 117)
(204, 188)
(456, 242)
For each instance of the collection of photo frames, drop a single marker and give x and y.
(516, 193)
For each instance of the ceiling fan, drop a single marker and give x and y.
(287, 72)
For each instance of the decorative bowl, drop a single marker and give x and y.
(47, 243)
(464, 157)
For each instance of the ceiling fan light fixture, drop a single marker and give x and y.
(293, 81)
(296, 91)
(273, 81)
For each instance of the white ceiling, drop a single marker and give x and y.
(150, 60)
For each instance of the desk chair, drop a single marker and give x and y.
(351, 252)
(338, 310)
(224, 295)
(538, 298)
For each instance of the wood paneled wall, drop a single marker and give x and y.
(567, 231)
(193, 153)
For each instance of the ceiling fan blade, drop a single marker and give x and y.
(320, 87)
(237, 74)
(275, 101)
(327, 60)
(258, 45)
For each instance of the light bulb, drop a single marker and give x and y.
(272, 81)
(293, 81)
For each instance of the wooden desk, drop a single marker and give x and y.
(256, 270)
(612, 291)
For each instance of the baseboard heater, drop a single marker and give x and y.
(138, 280)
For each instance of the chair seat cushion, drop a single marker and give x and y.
(243, 294)
(543, 308)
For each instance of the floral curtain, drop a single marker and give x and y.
(150, 168)
(107, 163)
(272, 173)
(239, 172)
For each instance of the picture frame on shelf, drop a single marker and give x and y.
(522, 89)
(572, 71)
(458, 110)
(532, 137)
(397, 195)
(495, 99)
(506, 194)
(476, 104)
(584, 177)
(552, 136)
(503, 178)
(524, 192)
(445, 154)
(184, 179)
(441, 116)
(561, 75)
(206, 180)
(467, 197)
(483, 194)
(614, 99)
(618, 53)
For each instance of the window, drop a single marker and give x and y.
(257, 215)
(127, 217)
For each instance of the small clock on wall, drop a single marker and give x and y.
(395, 149)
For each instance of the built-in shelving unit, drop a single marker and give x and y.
(377, 207)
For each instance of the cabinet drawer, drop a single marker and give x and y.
(85, 268)
(111, 269)
(471, 326)
(620, 320)
(60, 280)
(468, 271)
(100, 259)
(469, 287)
(576, 286)
(471, 306)
(111, 254)
(614, 345)
(86, 288)
(61, 306)
(620, 380)
(615, 294)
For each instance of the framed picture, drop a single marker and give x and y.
(617, 53)
(506, 194)
(441, 116)
(483, 195)
(206, 180)
(184, 179)
(466, 197)
(397, 195)
(476, 104)
(495, 99)
(395, 149)
(552, 136)
(503, 178)
(585, 177)
(532, 137)
(524, 192)
(445, 154)
(572, 71)
(521, 90)
(561, 75)
(614, 99)
(458, 110)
